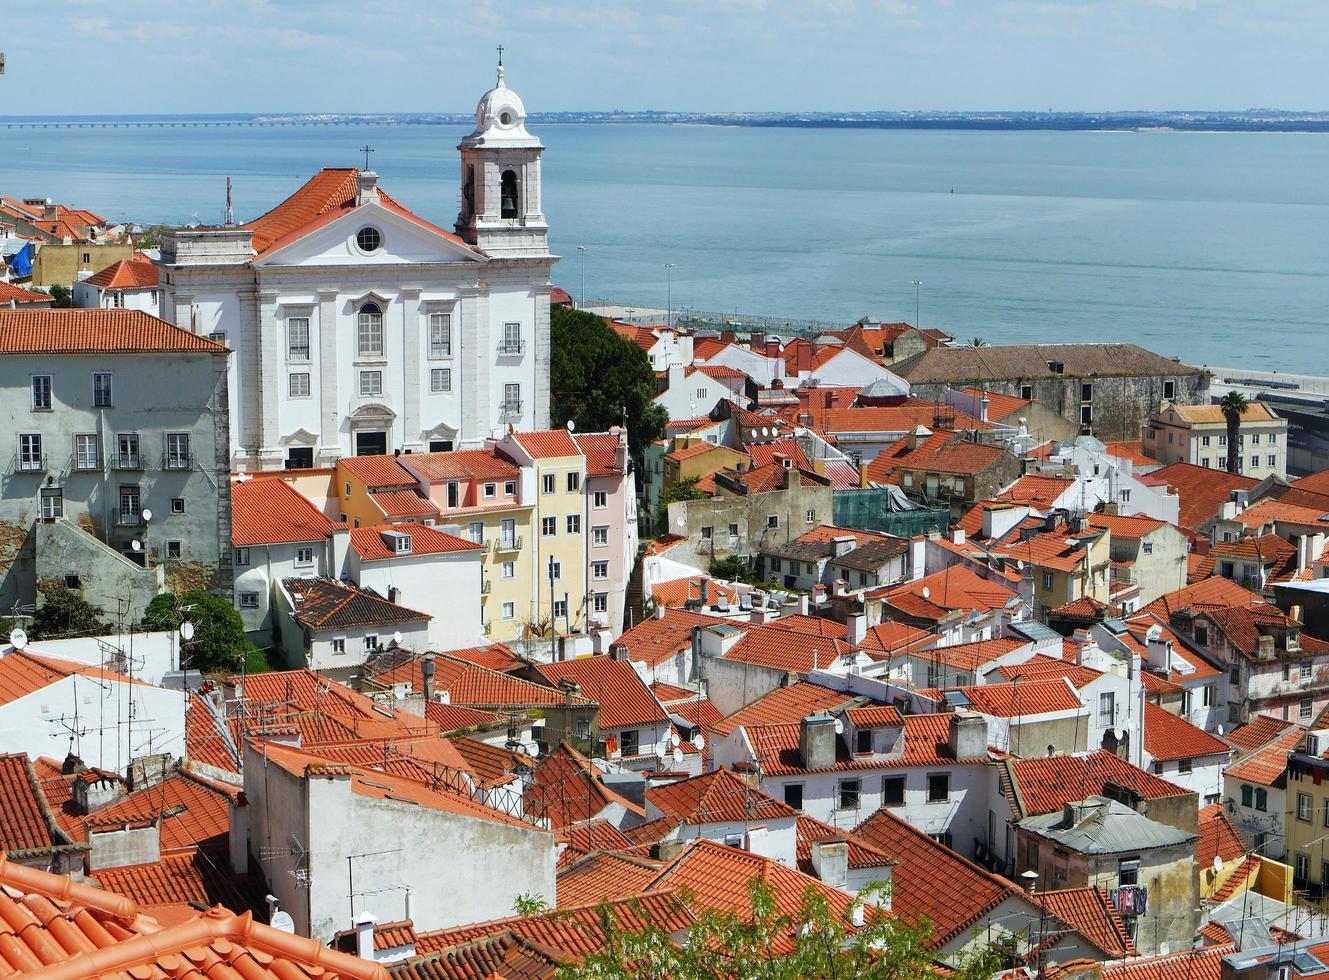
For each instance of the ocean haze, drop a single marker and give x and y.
(1210, 247)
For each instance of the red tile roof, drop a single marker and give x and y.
(455, 717)
(495, 656)
(75, 930)
(861, 853)
(26, 821)
(1041, 667)
(1090, 912)
(548, 444)
(23, 672)
(568, 788)
(1036, 491)
(72, 331)
(1267, 766)
(180, 883)
(459, 464)
(271, 511)
(678, 591)
(1131, 449)
(660, 638)
(1000, 407)
(1202, 491)
(378, 472)
(1205, 963)
(1211, 593)
(593, 835)
(955, 587)
(1258, 732)
(368, 541)
(717, 797)
(136, 273)
(189, 811)
(1030, 697)
(971, 656)
(625, 701)
(1167, 737)
(1136, 526)
(322, 603)
(601, 452)
(785, 706)
(926, 743)
(9, 293)
(403, 503)
(606, 876)
(892, 636)
(468, 683)
(1043, 785)
(929, 878)
(903, 417)
(1219, 837)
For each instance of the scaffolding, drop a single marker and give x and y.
(869, 510)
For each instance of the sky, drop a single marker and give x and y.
(68, 57)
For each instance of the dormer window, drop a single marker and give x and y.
(403, 544)
(368, 240)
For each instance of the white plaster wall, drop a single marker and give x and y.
(151, 654)
(445, 586)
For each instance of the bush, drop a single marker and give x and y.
(219, 644)
(64, 613)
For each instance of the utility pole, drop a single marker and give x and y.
(918, 286)
(583, 249)
(669, 294)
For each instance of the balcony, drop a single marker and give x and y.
(30, 463)
(509, 409)
(511, 348)
(127, 461)
(129, 518)
(178, 461)
(486, 587)
(298, 352)
(505, 544)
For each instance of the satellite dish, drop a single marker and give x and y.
(572, 426)
(839, 727)
(1218, 864)
(147, 515)
(678, 755)
(1019, 564)
(700, 743)
(660, 751)
(926, 592)
(681, 522)
(186, 631)
(396, 637)
(1220, 729)
(17, 638)
(282, 921)
(674, 739)
(136, 545)
(1154, 632)
(532, 749)
(1164, 949)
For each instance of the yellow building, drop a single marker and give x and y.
(559, 553)
(60, 264)
(1064, 561)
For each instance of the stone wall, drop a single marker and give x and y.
(63, 548)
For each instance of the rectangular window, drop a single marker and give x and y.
(242, 557)
(369, 333)
(548, 526)
(297, 338)
(339, 644)
(248, 600)
(127, 454)
(574, 524)
(1086, 414)
(1255, 438)
(600, 570)
(793, 795)
(511, 399)
(1306, 708)
(600, 602)
(371, 642)
(1107, 708)
(772, 521)
(509, 610)
(1204, 440)
(101, 389)
(1185, 765)
(177, 505)
(41, 392)
(1147, 547)
(87, 455)
(53, 503)
(863, 741)
(629, 742)
(172, 550)
(939, 787)
(440, 335)
(707, 532)
(600, 536)
(1031, 853)
(733, 530)
(1047, 581)
(1305, 670)
(507, 533)
(547, 483)
(560, 609)
(299, 385)
(508, 569)
(555, 571)
(1262, 799)
(892, 791)
(31, 458)
(304, 556)
(1128, 871)
(371, 383)
(1027, 392)
(475, 532)
(775, 564)
(1248, 795)
(511, 338)
(130, 505)
(510, 488)
(454, 494)
(812, 517)
(440, 379)
(1271, 460)
(600, 499)
(490, 491)
(177, 451)
(1304, 807)
(849, 794)
(1169, 390)
(1086, 391)
(574, 482)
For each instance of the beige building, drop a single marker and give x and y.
(1198, 434)
(58, 264)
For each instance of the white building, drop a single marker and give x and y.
(130, 284)
(333, 628)
(362, 328)
(1198, 434)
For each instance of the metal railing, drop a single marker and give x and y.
(127, 461)
(177, 461)
(126, 518)
(30, 463)
(506, 346)
(505, 544)
(508, 409)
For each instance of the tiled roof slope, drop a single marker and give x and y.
(23, 672)
(185, 881)
(468, 683)
(188, 811)
(717, 797)
(1219, 837)
(623, 698)
(9, 293)
(368, 541)
(1032, 361)
(1044, 785)
(547, 444)
(1090, 912)
(136, 273)
(1201, 490)
(605, 876)
(1267, 766)
(1168, 736)
(271, 511)
(321, 603)
(1211, 593)
(784, 706)
(601, 452)
(26, 822)
(96, 332)
(569, 789)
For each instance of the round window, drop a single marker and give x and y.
(505, 118)
(368, 239)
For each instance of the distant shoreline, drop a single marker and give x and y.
(1249, 121)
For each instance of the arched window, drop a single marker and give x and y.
(508, 195)
(370, 331)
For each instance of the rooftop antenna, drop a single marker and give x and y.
(230, 211)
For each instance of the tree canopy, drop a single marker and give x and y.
(64, 613)
(1233, 406)
(219, 642)
(597, 377)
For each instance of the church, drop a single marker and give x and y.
(359, 327)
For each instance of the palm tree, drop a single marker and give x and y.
(1233, 407)
(978, 342)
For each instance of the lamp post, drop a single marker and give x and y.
(918, 286)
(669, 294)
(583, 249)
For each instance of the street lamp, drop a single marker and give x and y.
(669, 294)
(918, 285)
(583, 249)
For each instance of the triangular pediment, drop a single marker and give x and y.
(300, 437)
(405, 239)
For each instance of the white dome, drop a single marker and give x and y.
(500, 117)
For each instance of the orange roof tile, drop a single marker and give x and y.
(1219, 837)
(71, 331)
(1205, 963)
(455, 717)
(1090, 912)
(368, 541)
(1036, 491)
(1041, 667)
(861, 853)
(785, 706)
(593, 835)
(460, 464)
(971, 656)
(9, 293)
(660, 638)
(680, 590)
(892, 636)
(1258, 732)
(26, 822)
(1043, 785)
(601, 452)
(378, 472)
(136, 273)
(1202, 491)
(548, 444)
(717, 797)
(23, 672)
(1267, 766)
(926, 743)
(1000, 407)
(1211, 593)
(495, 656)
(605, 876)
(1167, 736)
(1131, 449)
(1136, 526)
(403, 503)
(624, 699)
(468, 683)
(955, 587)
(324, 603)
(569, 789)
(274, 512)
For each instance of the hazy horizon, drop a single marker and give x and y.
(177, 57)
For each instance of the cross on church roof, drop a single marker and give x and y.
(366, 150)
(500, 56)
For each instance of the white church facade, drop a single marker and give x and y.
(361, 328)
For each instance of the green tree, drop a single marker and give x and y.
(151, 237)
(734, 569)
(679, 490)
(219, 643)
(977, 342)
(728, 946)
(64, 612)
(597, 378)
(1233, 407)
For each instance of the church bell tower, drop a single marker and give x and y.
(500, 179)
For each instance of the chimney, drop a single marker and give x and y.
(1081, 641)
(804, 605)
(149, 770)
(757, 841)
(918, 548)
(1159, 651)
(817, 741)
(919, 436)
(366, 187)
(1294, 614)
(983, 404)
(1264, 648)
(843, 544)
(660, 610)
(957, 536)
(857, 624)
(364, 935)
(758, 342)
(704, 589)
(667, 850)
(968, 736)
(772, 348)
(427, 672)
(90, 792)
(830, 862)
(804, 360)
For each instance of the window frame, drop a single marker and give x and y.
(41, 393)
(440, 380)
(932, 797)
(103, 395)
(291, 384)
(82, 439)
(374, 390)
(369, 340)
(298, 352)
(440, 334)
